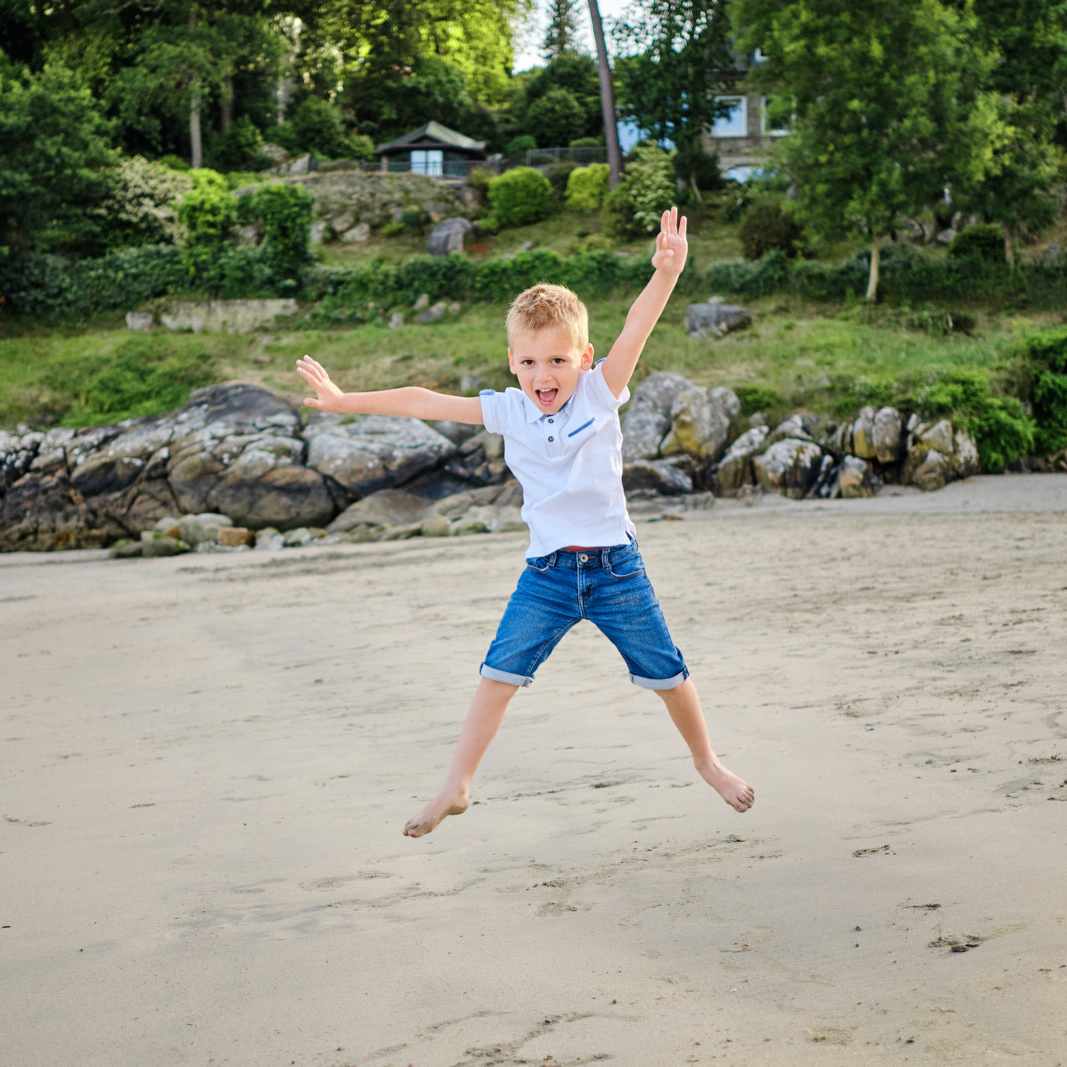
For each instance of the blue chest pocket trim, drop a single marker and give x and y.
(582, 427)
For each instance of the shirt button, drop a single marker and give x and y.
(551, 420)
(552, 439)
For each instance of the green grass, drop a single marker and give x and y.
(827, 359)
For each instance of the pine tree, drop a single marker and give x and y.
(563, 26)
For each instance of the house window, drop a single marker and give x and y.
(776, 127)
(428, 161)
(732, 123)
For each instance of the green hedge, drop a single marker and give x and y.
(54, 289)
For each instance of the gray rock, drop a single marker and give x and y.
(854, 478)
(155, 545)
(374, 451)
(700, 422)
(298, 538)
(388, 507)
(658, 475)
(396, 320)
(735, 468)
(196, 529)
(422, 303)
(648, 418)
(357, 234)
(269, 540)
(789, 467)
(448, 236)
(317, 232)
(432, 314)
(139, 321)
(887, 435)
(715, 318)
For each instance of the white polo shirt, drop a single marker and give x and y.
(569, 464)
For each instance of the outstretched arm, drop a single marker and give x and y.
(668, 260)
(412, 401)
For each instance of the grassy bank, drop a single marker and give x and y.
(827, 358)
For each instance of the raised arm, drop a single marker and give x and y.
(668, 261)
(412, 400)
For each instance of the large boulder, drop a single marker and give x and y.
(669, 415)
(448, 236)
(715, 318)
(938, 453)
(789, 467)
(656, 475)
(735, 468)
(374, 451)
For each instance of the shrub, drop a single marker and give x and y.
(694, 166)
(519, 196)
(557, 116)
(587, 187)
(240, 148)
(523, 143)
(141, 208)
(1004, 433)
(757, 398)
(208, 213)
(766, 226)
(617, 214)
(1046, 354)
(984, 242)
(317, 128)
(558, 174)
(650, 175)
(478, 179)
(587, 142)
(285, 212)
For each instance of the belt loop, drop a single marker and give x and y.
(552, 559)
(605, 558)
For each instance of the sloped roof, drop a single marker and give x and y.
(433, 134)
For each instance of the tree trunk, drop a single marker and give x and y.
(196, 151)
(1009, 245)
(607, 98)
(876, 255)
(226, 104)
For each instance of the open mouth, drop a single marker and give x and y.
(547, 397)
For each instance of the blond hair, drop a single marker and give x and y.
(549, 307)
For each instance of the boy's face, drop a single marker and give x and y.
(548, 365)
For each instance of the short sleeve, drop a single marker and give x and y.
(601, 393)
(494, 410)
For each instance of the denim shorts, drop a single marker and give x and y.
(608, 587)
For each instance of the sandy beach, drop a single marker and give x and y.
(208, 762)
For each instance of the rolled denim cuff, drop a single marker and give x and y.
(504, 676)
(658, 683)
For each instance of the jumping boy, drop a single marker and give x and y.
(563, 442)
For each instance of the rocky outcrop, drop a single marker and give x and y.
(236, 468)
(669, 415)
(715, 318)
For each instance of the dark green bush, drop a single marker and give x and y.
(766, 226)
(1046, 354)
(517, 145)
(759, 398)
(984, 242)
(208, 213)
(240, 148)
(558, 175)
(1004, 433)
(617, 214)
(519, 196)
(54, 289)
(285, 212)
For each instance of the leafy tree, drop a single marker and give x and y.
(56, 164)
(564, 22)
(1030, 41)
(888, 106)
(577, 74)
(557, 117)
(677, 59)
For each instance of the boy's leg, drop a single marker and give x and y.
(683, 705)
(479, 728)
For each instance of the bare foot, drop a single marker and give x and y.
(735, 791)
(438, 808)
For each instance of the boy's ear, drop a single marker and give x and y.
(587, 357)
(511, 361)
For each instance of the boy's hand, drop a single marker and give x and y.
(671, 245)
(327, 396)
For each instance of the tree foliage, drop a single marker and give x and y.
(889, 106)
